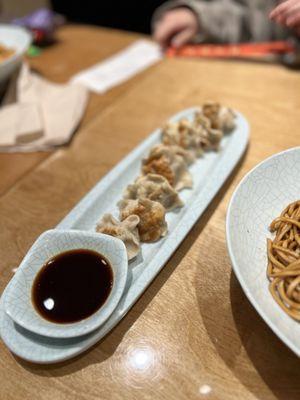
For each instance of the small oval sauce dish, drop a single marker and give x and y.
(68, 284)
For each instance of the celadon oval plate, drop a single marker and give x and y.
(260, 197)
(209, 174)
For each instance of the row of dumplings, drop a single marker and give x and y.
(163, 174)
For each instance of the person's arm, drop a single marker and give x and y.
(222, 21)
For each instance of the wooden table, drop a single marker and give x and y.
(193, 331)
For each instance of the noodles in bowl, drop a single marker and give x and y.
(14, 42)
(5, 52)
(284, 260)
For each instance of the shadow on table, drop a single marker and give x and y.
(273, 370)
(106, 347)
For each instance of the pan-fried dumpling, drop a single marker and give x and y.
(183, 134)
(210, 138)
(187, 156)
(221, 118)
(200, 121)
(202, 126)
(152, 225)
(170, 162)
(210, 110)
(227, 119)
(126, 230)
(156, 188)
(214, 137)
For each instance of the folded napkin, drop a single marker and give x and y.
(120, 67)
(38, 115)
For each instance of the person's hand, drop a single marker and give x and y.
(176, 27)
(288, 14)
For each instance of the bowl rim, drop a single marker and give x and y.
(18, 52)
(234, 262)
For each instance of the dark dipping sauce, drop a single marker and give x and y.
(72, 286)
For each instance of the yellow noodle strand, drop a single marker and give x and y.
(283, 252)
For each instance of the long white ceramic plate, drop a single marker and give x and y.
(259, 198)
(209, 174)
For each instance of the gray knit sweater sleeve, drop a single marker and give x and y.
(230, 21)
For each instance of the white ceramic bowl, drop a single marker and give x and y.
(18, 39)
(17, 300)
(260, 197)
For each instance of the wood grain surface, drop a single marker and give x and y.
(192, 334)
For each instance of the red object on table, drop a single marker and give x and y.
(39, 36)
(243, 50)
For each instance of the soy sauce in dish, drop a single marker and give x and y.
(72, 286)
